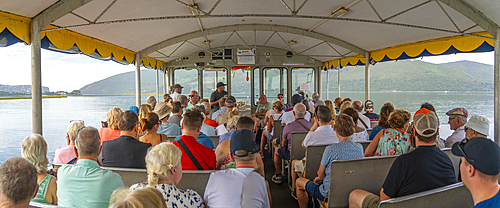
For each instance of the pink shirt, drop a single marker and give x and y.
(64, 155)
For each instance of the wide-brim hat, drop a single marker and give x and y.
(479, 124)
(162, 110)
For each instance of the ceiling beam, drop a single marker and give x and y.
(473, 14)
(58, 10)
(251, 27)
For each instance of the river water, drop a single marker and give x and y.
(15, 122)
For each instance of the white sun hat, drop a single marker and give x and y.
(479, 124)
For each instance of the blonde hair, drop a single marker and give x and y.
(113, 117)
(232, 113)
(144, 110)
(73, 128)
(329, 104)
(345, 105)
(34, 149)
(204, 100)
(231, 124)
(279, 105)
(207, 106)
(140, 198)
(160, 159)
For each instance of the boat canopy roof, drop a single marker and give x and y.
(332, 32)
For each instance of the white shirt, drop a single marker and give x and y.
(254, 193)
(457, 136)
(221, 129)
(175, 96)
(365, 119)
(360, 136)
(224, 188)
(288, 117)
(324, 135)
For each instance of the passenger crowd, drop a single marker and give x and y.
(168, 137)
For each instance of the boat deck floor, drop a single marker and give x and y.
(280, 193)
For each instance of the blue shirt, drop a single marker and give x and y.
(493, 202)
(345, 150)
(375, 131)
(169, 129)
(219, 112)
(226, 135)
(207, 130)
(202, 139)
(86, 185)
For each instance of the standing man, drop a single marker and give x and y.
(457, 120)
(262, 109)
(177, 92)
(193, 99)
(217, 95)
(479, 169)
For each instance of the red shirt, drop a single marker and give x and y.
(211, 122)
(107, 134)
(204, 155)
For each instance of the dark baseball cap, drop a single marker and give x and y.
(481, 153)
(220, 84)
(230, 101)
(178, 86)
(243, 139)
(296, 99)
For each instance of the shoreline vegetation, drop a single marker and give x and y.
(64, 96)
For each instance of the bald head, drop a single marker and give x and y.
(357, 105)
(299, 110)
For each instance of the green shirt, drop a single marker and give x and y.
(85, 184)
(262, 108)
(189, 105)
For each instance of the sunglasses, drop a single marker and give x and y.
(280, 97)
(192, 95)
(460, 146)
(77, 120)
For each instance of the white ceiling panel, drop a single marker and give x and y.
(434, 18)
(26, 8)
(387, 8)
(489, 8)
(251, 7)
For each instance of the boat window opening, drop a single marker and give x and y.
(211, 76)
(188, 78)
(272, 83)
(303, 79)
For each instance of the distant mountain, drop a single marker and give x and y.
(407, 75)
(20, 89)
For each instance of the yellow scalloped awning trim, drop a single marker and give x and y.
(17, 25)
(148, 61)
(464, 43)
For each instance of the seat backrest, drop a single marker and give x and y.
(455, 195)
(171, 138)
(277, 129)
(365, 173)
(373, 124)
(313, 160)
(191, 179)
(215, 140)
(454, 159)
(364, 144)
(297, 152)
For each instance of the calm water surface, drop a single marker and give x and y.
(15, 124)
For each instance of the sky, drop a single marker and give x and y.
(68, 72)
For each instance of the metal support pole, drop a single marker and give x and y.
(216, 78)
(137, 80)
(36, 78)
(289, 86)
(497, 87)
(229, 81)
(200, 83)
(164, 80)
(157, 83)
(327, 84)
(367, 76)
(317, 79)
(264, 83)
(261, 80)
(281, 81)
(338, 77)
(252, 91)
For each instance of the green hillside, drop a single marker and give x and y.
(408, 75)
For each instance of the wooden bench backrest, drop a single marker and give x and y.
(365, 173)
(313, 161)
(455, 195)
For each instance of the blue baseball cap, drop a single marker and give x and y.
(243, 141)
(134, 108)
(481, 153)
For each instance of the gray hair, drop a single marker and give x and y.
(73, 128)
(18, 180)
(315, 97)
(183, 99)
(324, 114)
(151, 101)
(88, 142)
(34, 148)
(300, 110)
(462, 119)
